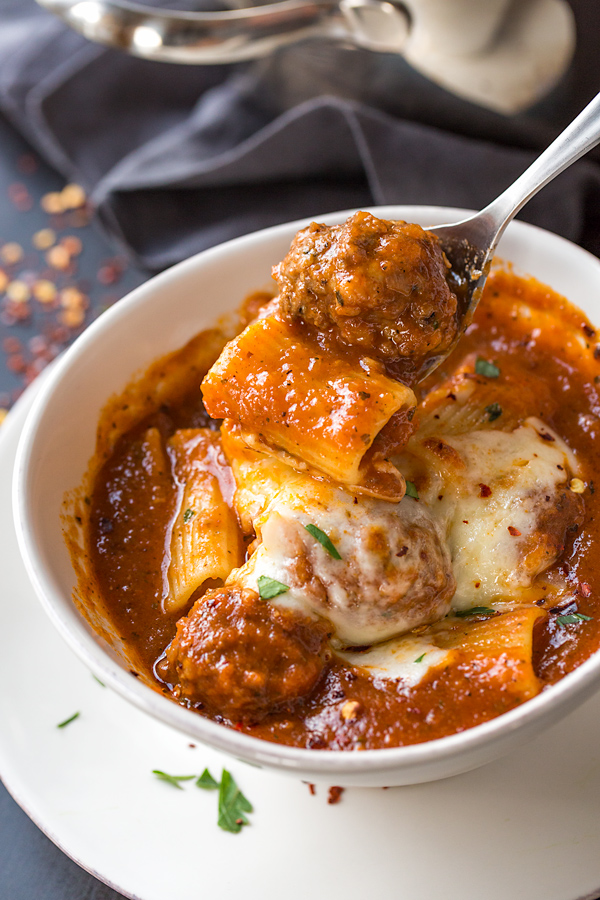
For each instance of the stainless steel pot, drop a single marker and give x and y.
(496, 53)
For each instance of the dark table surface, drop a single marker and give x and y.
(32, 332)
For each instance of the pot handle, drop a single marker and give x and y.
(232, 36)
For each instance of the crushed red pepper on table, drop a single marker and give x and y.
(41, 289)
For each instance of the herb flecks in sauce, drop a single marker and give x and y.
(411, 490)
(486, 368)
(528, 371)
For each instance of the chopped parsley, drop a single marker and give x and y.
(420, 658)
(269, 587)
(411, 490)
(172, 779)
(494, 411)
(69, 720)
(101, 683)
(324, 540)
(233, 806)
(476, 611)
(207, 782)
(573, 619)
(486, 368)
(188, 514)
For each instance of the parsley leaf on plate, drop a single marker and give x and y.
(233, 806)
(172, 779)
(207, 782)
(69, 720)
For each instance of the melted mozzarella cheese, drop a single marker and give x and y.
(393, 573)
(504, 503)
(489, 519)
(408, 658)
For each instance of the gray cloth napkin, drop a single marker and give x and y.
(177, 158)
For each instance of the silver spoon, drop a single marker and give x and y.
(470, 243)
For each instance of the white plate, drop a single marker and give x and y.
(523, 827)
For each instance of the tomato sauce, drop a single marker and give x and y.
(549, 359)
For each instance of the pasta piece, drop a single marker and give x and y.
(258, 476)
(205, 539)
(499, 649)
(467, 401)
(318, 411)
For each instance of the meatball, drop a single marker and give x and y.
(377, 285)
(393, 572)
(242, 657)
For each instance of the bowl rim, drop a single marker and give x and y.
(571, 690)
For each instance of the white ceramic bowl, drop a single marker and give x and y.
(59, 440)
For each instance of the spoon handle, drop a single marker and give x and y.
(580, 136)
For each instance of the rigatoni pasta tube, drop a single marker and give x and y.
(317, 405)
(205, 539)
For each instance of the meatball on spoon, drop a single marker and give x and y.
(470, 244)
(401, 296)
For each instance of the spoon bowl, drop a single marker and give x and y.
(471, 243)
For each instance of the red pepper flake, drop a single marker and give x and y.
(27, 164)
(311, 789)
(16, 363)
(37, 345)
(585, 588)
(402, 552)
(514, 531)
(477, 584)
(11, 345)
(110, 272)
(484, 490)
(597, 351)
(588, 330)
(72, 244)
(20, 196)
(451, 396)
(335, 794)
(545, 436)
